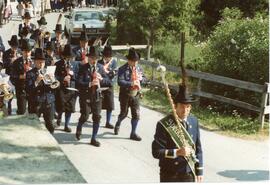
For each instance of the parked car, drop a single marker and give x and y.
(92, 18)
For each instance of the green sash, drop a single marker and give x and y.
(174, 131)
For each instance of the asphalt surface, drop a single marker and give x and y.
(120, 160)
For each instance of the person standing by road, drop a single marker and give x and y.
(172, 159)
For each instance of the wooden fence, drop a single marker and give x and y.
(263, 110)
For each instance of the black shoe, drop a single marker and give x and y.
(116, 130)
(108, 125)
(67, 129)
(78, 135)
(135, 137)
(58, 122)
(95, 143)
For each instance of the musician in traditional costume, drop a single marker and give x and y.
(19, 68)
(49, 54)
(58, 40)
(130, 79)
(81, 50)
(91, 79)
(26, 23)
(26, 35)
(110, 67)
(40, 35)
(9, 56)
(65, 98)
(41, 93)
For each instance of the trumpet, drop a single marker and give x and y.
(48, 79)
(5, 90)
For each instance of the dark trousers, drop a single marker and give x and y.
(165, 177)
(10, 106)
(88, 106)
(125, 103)
(31, 105)
(21, 100)
(48, 110)
(1, 15)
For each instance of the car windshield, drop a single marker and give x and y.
(84, 16)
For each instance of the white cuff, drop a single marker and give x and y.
(170, 156)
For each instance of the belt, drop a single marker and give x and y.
(178, 175)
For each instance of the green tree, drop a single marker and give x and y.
(177, 15)
(140, 21)
(146, 17)
(211, 12)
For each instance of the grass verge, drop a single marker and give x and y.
(231, 125)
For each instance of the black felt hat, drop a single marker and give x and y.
(83, 36)
(67, 51)
(14, 41)
(58, 28)
(92, 52)
(133, 55)
(42, 21)
(183, 96)
(25, 45)
(26, 15)
(39, 54)
(50, 46)
(107, 52)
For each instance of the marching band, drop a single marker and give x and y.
(81, 71)
(49, 74)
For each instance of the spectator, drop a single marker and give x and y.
(7, 11)
(2, 47)
(36, 6)
(29, 8)
(47, 6)
(2, 6)
(20, 8)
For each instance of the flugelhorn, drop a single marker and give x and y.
(48, 79)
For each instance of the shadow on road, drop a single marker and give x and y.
(246, 175)
(69, 138)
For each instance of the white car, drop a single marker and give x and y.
(92, 18)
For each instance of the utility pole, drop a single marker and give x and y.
(42, 8)
(182, 59)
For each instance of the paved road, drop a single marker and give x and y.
(121, 160)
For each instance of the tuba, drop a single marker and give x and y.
(48, 79)
(5, 88)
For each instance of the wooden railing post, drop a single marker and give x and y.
(149, 52)
(264, 105)
(199, 87)
(153, 69)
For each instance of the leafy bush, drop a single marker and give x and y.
(238, 48)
